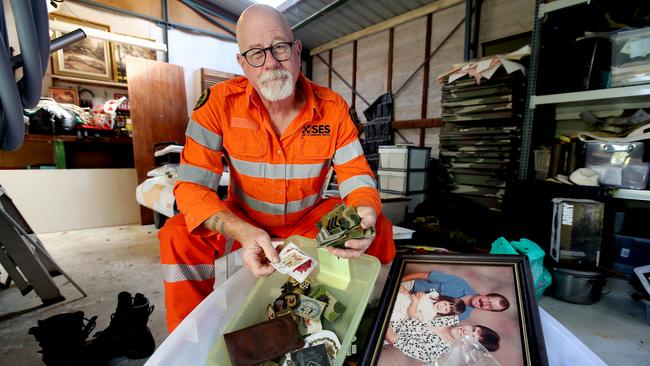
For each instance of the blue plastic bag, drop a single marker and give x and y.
(541, 276)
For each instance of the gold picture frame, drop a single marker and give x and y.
(121, 51)
(65, 95)
(89, 58)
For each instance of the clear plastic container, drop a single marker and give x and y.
(350, 281)
(404, 157)
(401, 181)
(619, 164)
(630, 59)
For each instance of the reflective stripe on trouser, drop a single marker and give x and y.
(178, 247)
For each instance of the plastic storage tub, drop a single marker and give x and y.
(404, 157)
(402, 182)
(350, 281)
(619, 164)
(630, 252)
(394, 206)
(630, 64)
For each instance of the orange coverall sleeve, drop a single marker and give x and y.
(201, 167)
(356, 180)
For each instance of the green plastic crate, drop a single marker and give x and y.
(350, 281)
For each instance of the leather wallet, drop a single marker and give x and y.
(264, 341)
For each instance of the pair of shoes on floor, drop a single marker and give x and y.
(63, 337)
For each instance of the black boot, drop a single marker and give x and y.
(141, 343)
(62, 339)
(127, 334)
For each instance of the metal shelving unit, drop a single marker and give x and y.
(632, 194)
(557, 5)
(611, 95)
(623, 97)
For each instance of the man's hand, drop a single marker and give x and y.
(258, 251)
(255, 242)
(356, 247)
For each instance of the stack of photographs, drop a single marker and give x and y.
(480, 142)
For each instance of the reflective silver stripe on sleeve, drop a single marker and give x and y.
(188, 272)
(348, 152)
(276, 208)
(204, 177)
(204, 136)
(357, 181)
(277, 171)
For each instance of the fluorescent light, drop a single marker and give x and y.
(65, 27)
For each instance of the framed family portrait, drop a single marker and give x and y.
(121, 51)
(89, 58)
(457, 310)
(65, 95)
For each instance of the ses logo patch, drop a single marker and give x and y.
(316, 130)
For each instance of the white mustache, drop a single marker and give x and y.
(274, 75)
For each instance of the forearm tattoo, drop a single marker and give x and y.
(217, 224)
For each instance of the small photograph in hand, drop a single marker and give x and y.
(449, 309)
(294, 262)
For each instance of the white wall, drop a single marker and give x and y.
(69, 199)
(194, 52)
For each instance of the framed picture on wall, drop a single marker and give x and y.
(89, 58)
(65, 95)
(448, 309)
(122, 51)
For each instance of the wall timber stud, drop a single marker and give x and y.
(329, 69)
(354, 74)
(389, 73)
(425, 77)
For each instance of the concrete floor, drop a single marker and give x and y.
(102, 262)
(106, 261)
(614, 328)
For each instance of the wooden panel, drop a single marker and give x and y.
(417, 123)
(342, 63)
(372, 58)
(408, 55)
(319, 69)
(517, 14)
(182, 14)
(31, 153)
(450, 53)
(158, 111)
(211, 77)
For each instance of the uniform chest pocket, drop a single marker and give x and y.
(246, 142)
(317, 147)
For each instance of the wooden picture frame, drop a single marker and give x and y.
(65, 95)
(121, 51)
(423, 334)
(89, 58)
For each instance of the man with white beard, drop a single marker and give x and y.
(279, 134)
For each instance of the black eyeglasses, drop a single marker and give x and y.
(280, 51)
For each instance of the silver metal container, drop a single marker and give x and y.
(578, 287)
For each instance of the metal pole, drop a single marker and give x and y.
(318, 14)
(468, 28)
(165, 25)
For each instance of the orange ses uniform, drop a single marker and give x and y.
(275, 182)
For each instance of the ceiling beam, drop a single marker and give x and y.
(389, 23)
(317, 15)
